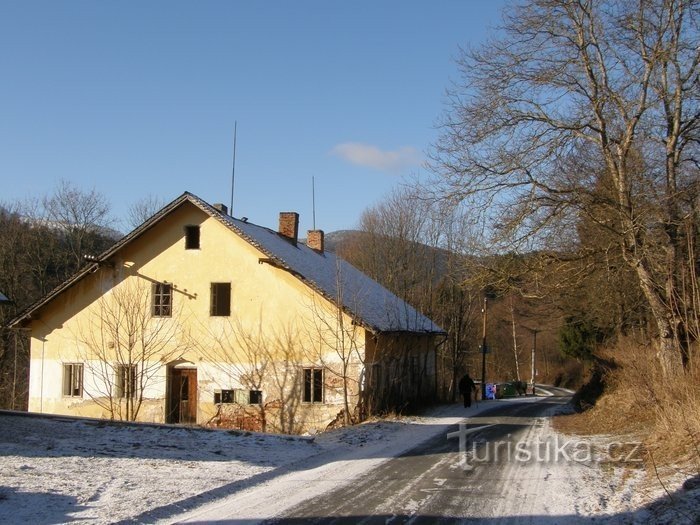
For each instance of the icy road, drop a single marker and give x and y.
(503, 464)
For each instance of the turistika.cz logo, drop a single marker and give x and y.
(551, 450)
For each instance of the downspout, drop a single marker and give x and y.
(41, 381)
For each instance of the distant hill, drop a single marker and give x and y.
(337, 238)
(107, 232)
(347, 242)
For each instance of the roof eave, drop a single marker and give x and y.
(25, 316)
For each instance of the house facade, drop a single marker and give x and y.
(197, 317)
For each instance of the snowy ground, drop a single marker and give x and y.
(61, 470)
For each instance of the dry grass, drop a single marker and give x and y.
(638, 400)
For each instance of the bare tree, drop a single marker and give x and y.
(143, 209)
(124, 348)
(395, 246)
(18, 286)
(259, 358)
(585, 109)
(456, 310)
(338, 343)
(82, 216)
(419, 248)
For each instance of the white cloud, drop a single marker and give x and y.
(372, 157)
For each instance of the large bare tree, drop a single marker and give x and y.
(83, 217)
(143, 209)
(590, 110)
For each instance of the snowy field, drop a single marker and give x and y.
(57, 470)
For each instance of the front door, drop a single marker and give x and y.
(182, 401)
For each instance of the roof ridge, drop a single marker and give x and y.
(323, 275)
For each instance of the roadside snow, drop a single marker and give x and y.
(59, 470)
(612, 485)
(56, 470)
(626, 492)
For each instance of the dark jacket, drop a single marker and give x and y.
(466, 385)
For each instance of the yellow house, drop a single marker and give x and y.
(199, 317)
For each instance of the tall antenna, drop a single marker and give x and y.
(313, 200)
(233, 168)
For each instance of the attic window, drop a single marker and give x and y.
(192, 237)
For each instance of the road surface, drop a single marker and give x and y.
(502, 464)
(435, 482)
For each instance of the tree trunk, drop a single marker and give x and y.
(668, 348)
(515, 340)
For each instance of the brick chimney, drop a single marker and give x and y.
(220, 207)
(289, 225)
(314, 240)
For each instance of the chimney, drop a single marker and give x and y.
(314, 240)
(289, 225)
(220, 207)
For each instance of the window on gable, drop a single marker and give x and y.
(126, 381)
(220, 299)
(191, 237)
(313, 385)
(162, 300)
(73, 379)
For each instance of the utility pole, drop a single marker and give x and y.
(534, 351)
(483, 354)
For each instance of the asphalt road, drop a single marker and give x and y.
(436, 483)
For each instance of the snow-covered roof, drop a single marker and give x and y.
(4, 298)
(365, 300)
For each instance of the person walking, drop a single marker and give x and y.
(466, 387)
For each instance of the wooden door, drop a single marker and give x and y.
(182, 403)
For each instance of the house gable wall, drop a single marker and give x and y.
(276, 322)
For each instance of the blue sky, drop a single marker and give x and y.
(140, 98)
